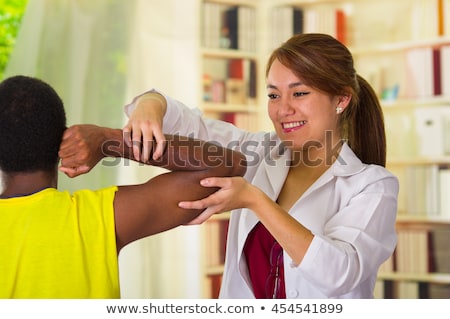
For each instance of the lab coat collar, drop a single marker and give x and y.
(271, 176)
(347, 163)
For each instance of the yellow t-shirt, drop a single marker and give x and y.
(57, 245)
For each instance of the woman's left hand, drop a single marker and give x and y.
(234, 192)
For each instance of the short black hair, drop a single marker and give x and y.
(32, 122)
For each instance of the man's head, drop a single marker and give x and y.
(32, 121)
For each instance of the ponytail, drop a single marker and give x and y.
(363, 126)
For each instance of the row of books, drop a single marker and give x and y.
(427, 72)
(234, 27)
(416, 290)
(430, 19)
(421, 72)
(420, 251)
(414, 252)
(231, 81)
(244, 120)
(427, 188)
(229, 27)
(216, 231)
(288, 20)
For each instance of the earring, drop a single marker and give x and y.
(338, 110)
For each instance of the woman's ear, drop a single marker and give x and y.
(342, 102)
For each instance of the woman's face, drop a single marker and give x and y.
(301, 115)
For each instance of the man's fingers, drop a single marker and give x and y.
(126, 131)
(74, 171)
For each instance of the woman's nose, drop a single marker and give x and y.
(285, 108)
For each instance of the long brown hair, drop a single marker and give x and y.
(324, 63)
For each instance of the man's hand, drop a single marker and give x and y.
(80, 149)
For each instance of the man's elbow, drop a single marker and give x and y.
(238, 165)
(226, 163)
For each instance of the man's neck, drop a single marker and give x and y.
(23, 184)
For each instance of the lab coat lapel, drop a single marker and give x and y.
(346, 164)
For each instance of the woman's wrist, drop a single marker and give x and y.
(150, 98)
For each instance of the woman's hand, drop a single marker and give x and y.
(80, 149)
(145, 126)
(234, 192)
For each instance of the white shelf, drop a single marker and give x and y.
(248, 3)
(432, 278)
(228, 54)
(414, 161)
(388, 48)
(404, 219)
(403, 104)
(224, 107)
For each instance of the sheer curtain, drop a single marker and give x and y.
(98, 55)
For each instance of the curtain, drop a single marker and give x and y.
(98, 55)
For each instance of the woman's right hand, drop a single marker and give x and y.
(145, 126)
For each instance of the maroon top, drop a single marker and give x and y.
(265, 264)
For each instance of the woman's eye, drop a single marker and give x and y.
(272, 96)
(296, 94)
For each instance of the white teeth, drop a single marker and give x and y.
(293, 124)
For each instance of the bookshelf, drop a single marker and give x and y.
(230, 62)
(230, 90)
(403, 49)
(420, 266)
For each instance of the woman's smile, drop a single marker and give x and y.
(292, 126)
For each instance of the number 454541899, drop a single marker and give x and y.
(307, 308)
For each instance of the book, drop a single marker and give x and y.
(422, 187)
(236, 92)
(340, 32)
(230, 23)
(444, 186)
(419, 69)
(445, 69)
(432, 131)
(215, 281)
(297, 20)
(439, 252)
(437, 77)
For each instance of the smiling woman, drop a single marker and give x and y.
(321, 192)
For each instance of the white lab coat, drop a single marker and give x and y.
(351, 210)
